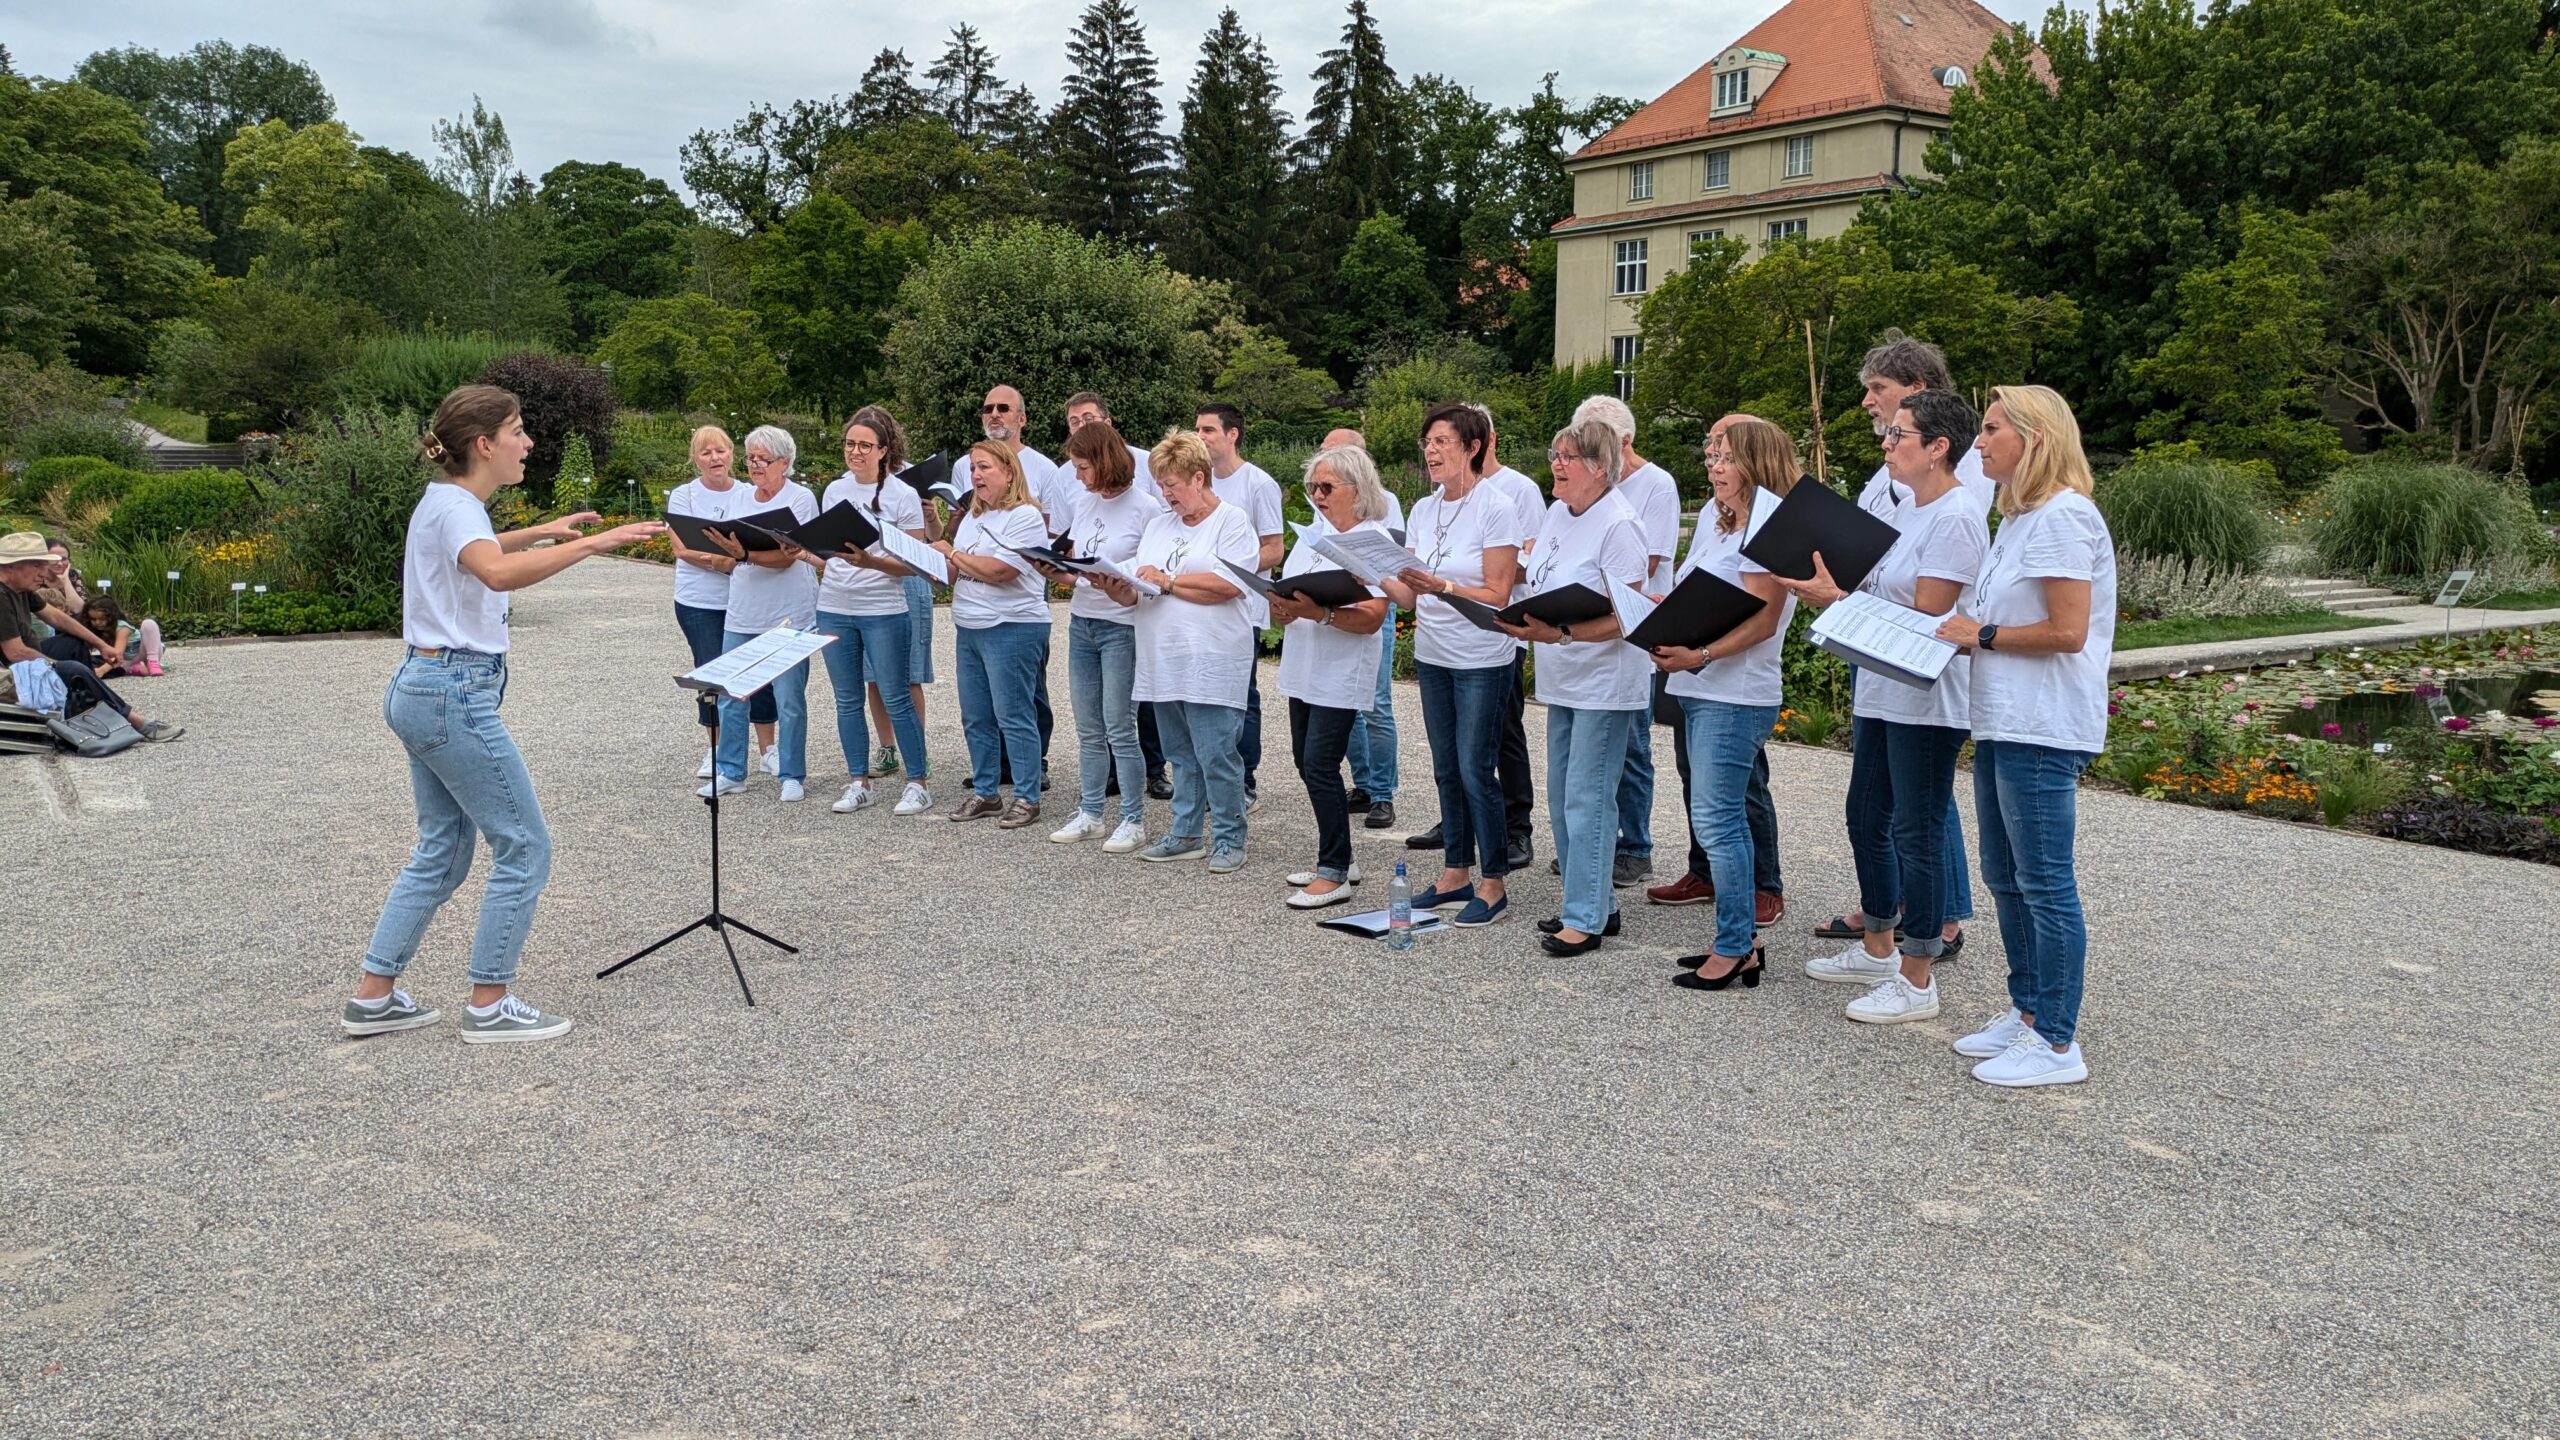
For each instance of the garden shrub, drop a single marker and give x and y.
(45, 477)
(413, 371)
(2168, 588)
(343, 494)
(98, 434)
(185, 502)
(298, 612)
(2192, 510)
(2402, 524)
(105, 485)
(647, 450)
(561, 397)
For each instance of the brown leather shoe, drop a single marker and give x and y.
(977, 807)
(1768, 909)
(1687, 890)
(1020, 813)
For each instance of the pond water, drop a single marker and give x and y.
(2371, 716)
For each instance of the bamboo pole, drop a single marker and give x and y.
(1813, 386)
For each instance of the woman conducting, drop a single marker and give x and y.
(464, 771)
(2042, 628)
(1729, 691)
(1596, 690)
(1112, 514)
(1001, 609)
(862, 601)
(769, 589)
(1195, 651)
(1329, 665)
(1465, 539)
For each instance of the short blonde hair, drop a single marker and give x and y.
(1182, 453)
(1766, 458)
(1597, 444)
(1352, 466)
(1017, 487)
(2054, 460)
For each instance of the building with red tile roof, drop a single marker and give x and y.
(1784, 133)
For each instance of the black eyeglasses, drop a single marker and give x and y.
(995, 409)
(1895, 434)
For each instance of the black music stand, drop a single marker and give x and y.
(717, 921)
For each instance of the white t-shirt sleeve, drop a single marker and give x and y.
(1953, 546)
(2068, 545)
(1266, 510)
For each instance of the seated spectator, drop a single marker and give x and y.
(25, 565)
(64, 585)
(137, 649)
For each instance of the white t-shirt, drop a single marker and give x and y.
(1199, 653)
(1318, 663)
(976, 604)
(1110, 528)
(1528, 502)
(695, 586)
(1883, 493)
(2055, 700)
(1395, 510)
(1654, 497)
(762, 599)
(1756, 676)
(1449, 540)
(1942, 540)
(1145, 483)
(442, 605)
(850, 589)
(1252, 490)
(1053, 487)
(1602, 544)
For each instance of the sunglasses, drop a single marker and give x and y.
(1318, 489)
(995, 409)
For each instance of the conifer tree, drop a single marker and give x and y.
(965, 87)
(1107, 148)
(1230, 218)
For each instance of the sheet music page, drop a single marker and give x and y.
(1114, 567)
(1894, 634)
(759, 662)
(1367, 554)
(913, 553)
(1633, 605)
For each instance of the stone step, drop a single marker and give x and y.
(2309, 585)
(2370, 600)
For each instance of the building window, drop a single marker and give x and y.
(1701, 237)
(1786, 230)
(1733, 89)
(1719, 169)
(1631, 267)
(1640, 181)
(1799, 157)
(1623, 350)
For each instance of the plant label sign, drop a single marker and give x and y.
(2454, 585)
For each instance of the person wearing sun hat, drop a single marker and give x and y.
(26, 562)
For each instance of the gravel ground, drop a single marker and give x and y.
(1031, 1140)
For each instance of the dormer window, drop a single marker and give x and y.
(1742, 77)
(1733, 90)
(1952, 76)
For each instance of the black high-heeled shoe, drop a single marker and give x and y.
(1747, 970)
(1552, 924)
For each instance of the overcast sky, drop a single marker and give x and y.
(628, 80)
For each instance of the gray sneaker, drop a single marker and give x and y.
(1174, 847)
(158, 730)
(1227, 861)
(1627, 870)
(512, 1021)
(396, 1011)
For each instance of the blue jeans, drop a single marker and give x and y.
(919, 630)
(1102, 666)
(1462, 714)
(1586, 751)
(1208, 769)
(1956, 891)
(874, 648)
(1724, 742)
(999, 678)
(1373, 736)
(702, 633)
(790, 692)
(467, 780)
(1901, 780)
(1759, 809)
(2026, 803)
(1635, 794)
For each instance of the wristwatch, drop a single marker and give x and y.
(1324, 614)
(1567, 632)
(1983, 640)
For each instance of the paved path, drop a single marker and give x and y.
(1035, 1141)
(2408, 625)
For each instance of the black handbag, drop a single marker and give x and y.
(94, 732)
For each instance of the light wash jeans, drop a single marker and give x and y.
(1635, 794)
(1724, 743)
(2026, 806)
(874, 648)
(999, 677)
(468, 780)
(1102, 666)
(1373, 737)
(790, 692)
(1586, 753)
(1202, 742)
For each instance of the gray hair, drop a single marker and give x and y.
(1597, 441)
(1352, 466)
(1609, 410)
(774, 441)
(1906, 361)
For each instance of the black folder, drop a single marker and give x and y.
(1702, 609)
(764, 530)
(927, 476)
(841, 525)
(1372, 924)
(1332, 589)
(1813, 517)
(1564, 605)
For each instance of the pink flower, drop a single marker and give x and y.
(2546, 721)
(2456, 723)
(2114, 709)
(2332, 730)
(2150, 724)
(2227, 686)
(2425, 691)
(2309, 704)
(2249, 705)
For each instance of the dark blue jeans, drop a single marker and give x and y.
(1462, 713)
(1759, 812)
(2026, 806)
(1318, 736)
(1901, 780)
(702, 630)
(1956, 893)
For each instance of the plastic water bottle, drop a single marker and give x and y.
(1399, 911)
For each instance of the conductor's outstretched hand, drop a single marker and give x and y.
(621, 535)
(566, 527)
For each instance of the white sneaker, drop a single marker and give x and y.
(1128, 837)
(721, 785)
(1084, 827)
(1853, 966)
(1993, 1038)
(793, 790)
(2030, 1060)
(1895, 1002)
(773, 760)
(1305, 878)
(916, 801)
(707, 768)
(857, 796)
